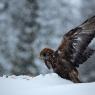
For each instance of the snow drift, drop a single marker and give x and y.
(50, 84)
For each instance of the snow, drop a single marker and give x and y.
(48, 84)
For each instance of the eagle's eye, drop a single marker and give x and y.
(44, 56)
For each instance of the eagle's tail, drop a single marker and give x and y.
(74, 76)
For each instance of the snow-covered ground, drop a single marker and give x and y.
(50, 84)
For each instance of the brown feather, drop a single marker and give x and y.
(72, 52)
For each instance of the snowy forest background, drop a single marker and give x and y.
(27, 26)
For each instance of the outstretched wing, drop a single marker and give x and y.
(76, 41)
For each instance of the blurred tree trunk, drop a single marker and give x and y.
(24, 54)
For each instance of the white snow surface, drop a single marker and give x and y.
(49, 84)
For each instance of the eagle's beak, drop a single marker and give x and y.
(41, 57)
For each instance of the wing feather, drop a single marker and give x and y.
(76, 41)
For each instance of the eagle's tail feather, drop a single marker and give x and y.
(74, 77)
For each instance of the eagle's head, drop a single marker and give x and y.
(46, 53)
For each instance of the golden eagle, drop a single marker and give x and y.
(73, 51)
